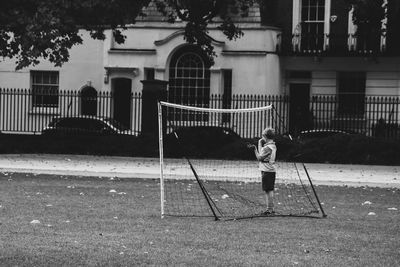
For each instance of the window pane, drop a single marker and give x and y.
(313, 13)
(38, 76)
(45, 88)
(351, 93)
(304, 13)
(54, 79)
(321, 13)
(189, 85)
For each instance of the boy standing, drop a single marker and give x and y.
(266, 155)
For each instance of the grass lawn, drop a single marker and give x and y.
(83, 223)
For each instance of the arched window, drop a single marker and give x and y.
(88, 101)
(189, 77)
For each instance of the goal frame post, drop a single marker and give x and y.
(161, 155)
(162, 128)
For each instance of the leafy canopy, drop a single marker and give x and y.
(31, 30)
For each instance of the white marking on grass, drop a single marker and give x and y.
(371, 213)
(224, 196)
(121, 193)
(366, 203)
(113, 191)
(35, 222)
(388, 208)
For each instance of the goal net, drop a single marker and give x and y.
(207, 169)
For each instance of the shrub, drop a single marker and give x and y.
(346, 149)
(349, 149)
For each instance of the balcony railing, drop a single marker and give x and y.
(332, 44)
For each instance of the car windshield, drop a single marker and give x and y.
(116, 124)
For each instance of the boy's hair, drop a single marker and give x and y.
(268, 133)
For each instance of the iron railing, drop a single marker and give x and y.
(26, 111)
(373, 116)
(332, 44)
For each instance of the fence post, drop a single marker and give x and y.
(153, 91)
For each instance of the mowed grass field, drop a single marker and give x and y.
(78, 221)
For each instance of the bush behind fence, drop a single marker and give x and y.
(24, 111)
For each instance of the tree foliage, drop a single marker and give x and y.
(368, 15)
(31, 30)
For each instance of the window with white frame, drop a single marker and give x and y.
(312, 30)
(45, 88)
(361, 41)
(189, 78)
(311, 24)
(351, 93)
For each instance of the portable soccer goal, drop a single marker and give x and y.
(207, 169)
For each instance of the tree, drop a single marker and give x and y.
(31, 30)
(368, 14)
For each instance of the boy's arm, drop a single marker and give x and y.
(260, 154)
(260, 144)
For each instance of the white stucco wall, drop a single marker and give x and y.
(252, 58)
(382, 77)
(85, 65)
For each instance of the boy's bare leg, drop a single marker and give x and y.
(269, 199)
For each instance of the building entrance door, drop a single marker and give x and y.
(122, 101)
(89, 101)
(299, 109)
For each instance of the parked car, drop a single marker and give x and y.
(320, 133)
(84, 125)
(200, 140)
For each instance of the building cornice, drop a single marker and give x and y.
(180, 33)
(132, 51)
(247, 52)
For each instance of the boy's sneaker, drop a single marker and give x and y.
(269, 212)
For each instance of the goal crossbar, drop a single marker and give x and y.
(215, 110)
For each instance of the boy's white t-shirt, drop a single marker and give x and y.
(268, 152)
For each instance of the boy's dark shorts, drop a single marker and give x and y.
(268, 181)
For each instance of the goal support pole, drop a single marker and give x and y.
(315, 192)
(203, 190)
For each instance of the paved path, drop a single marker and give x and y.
(125, 167)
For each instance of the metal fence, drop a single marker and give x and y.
(24, 111)
(370, 115)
